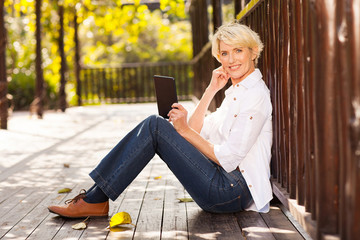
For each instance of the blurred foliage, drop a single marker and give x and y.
(111, 32)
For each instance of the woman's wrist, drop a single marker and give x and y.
(211, 91)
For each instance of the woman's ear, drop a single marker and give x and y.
(254, 51)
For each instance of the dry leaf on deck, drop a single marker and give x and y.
(65, 190)
(81, 225)
(119, 219)
(185, 200)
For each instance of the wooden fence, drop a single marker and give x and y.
(132, 82)
(311, 63)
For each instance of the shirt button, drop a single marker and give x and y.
(250, 185)
(242, 171)
(234, 98)
(251, 117)
(232, 185)
(237, 85)
(235, 115)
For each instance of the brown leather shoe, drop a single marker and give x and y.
(78, 208)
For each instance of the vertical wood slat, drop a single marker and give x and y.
(354, 181)
(3, 79)
(327, 162)
(315, 90)
(301, 130)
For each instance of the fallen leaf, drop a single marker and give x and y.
(65, 190)
(185, 200)
(66, 165)
(158, 177)
(81, 225)
(119, 219)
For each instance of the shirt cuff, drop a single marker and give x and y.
(227, 161)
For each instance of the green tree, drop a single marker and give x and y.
(110, 33)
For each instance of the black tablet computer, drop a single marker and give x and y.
(165, 90)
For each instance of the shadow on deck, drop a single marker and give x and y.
(39, 157)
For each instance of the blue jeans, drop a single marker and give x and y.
(211, 187)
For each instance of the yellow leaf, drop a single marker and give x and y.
(158, 177)
(65, 190)
(185, 199)
(79, 226)
(120, 218)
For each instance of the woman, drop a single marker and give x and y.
(222, 159)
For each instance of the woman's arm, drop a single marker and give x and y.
(218, 81)
(178, 115)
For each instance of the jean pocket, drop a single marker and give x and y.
(233, 205)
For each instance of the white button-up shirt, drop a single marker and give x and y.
(241, 131)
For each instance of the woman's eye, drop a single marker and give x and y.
(223, 54)
(238, 50)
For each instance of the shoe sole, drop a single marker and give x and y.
(72, 217)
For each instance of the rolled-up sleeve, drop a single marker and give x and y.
(245, 129)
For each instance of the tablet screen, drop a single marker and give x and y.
(165, 90)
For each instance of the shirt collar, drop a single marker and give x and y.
(252, 79)
(248, 82)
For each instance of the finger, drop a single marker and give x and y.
(177, 106)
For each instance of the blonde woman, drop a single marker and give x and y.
(221, 159)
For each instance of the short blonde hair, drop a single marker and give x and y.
(236, 34)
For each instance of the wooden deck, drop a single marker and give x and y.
(39, 157)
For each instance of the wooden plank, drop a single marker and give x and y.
(204, 225)
(174, 226)
(279, 225)
(13, 199)
(149, 223)
(253, 226)
(51, 223)
(19, 211)
(132, 204)
(8, 192)
(35, 217)
(299, 213)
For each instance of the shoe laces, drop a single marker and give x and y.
(81, 195)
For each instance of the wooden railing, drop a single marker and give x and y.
(311, 65)
(132, 82)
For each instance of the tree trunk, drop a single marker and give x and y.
(37, 104)
(77, 59)
(62, 94)
(3, 80)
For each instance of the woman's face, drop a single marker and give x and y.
(237, 61)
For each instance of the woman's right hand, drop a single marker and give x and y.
(219, 79)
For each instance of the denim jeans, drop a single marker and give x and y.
(211, 187)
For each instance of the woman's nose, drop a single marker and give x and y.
(231, 58)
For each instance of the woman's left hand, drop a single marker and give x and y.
(178, 116)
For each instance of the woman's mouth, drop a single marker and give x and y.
(234, 67)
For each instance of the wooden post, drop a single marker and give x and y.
(327, 164)
(3, 80)
(77, 57)
(37, 104)
(62, 93)
(217, 13)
